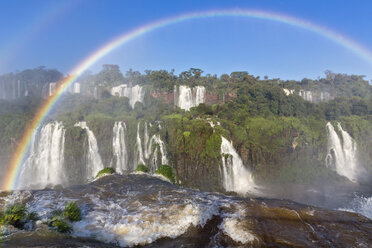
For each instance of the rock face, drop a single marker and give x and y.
(215, 98)
(166, 96)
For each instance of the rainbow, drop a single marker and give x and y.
(14, 168)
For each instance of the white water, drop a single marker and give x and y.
(94, 159)
(199, 95)
(325, 96)
(44, 165)
(342, 153)
(187, 97)
(306, 95)
(119, 147)
(236, 176)
(146, 150)
(155, 139)
(288, 92)
(146, 141)
(76, 88)
(127, 218)
(139, 151)
(361, 205)
(135, 93)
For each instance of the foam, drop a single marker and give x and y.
(234, 229)
(137, 224)
(361, 205)
(235, 224)
(15, 197)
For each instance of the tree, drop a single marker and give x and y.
(110, 75)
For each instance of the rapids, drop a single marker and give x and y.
(139, 209)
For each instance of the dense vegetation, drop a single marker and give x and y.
(105, 171)
(166, 171)
(19, 216)
(142, 168)
(281, 138)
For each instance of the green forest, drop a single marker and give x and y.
(280, 137)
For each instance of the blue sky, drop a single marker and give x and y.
(60, 34)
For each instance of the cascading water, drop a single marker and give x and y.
(199, 95)
(306, 95)
(146, 141)
(185, 97)
(155, 139)
(135, 93)
(44, 165)
(342, 153)
(146, 152)
(235, 176)
(119, 147)
(360, 204)
(94, 159)
(188, 98)
(139, 151)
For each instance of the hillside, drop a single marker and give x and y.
(278, 130)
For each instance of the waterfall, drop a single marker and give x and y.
(146, 150)
(236, 176)
(119, 147)
(44, 165)
(163, 151)
(185, 97)
(199, 95)
(94, 159)
(95, 92)
(188, 98)
(155, 139)
(146, 140)
(135, 93)
(306, 95)
(342, 153)
(140, 158)
(75, 88)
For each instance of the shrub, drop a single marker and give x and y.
(33, 216)
(142, 168)
(61, 225)
(54, 213)
(166, 171)
(14, 215)
(108, 170)
(72, 212)
(186, 134)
